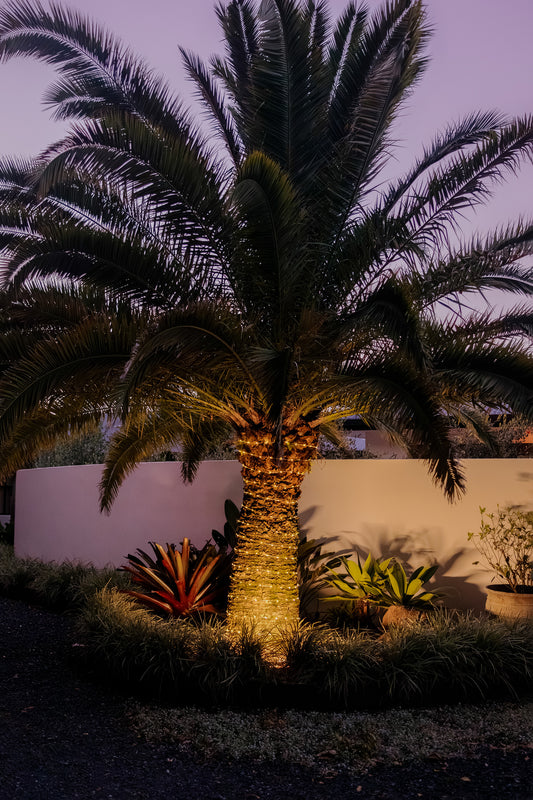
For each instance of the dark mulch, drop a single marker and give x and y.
(62, 737)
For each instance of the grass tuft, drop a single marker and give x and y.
(459, 656)
(58, 587)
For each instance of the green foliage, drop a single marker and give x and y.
(345, 666)
(457, 655)
(174, 659)
(506, 440)
(312, 568)
(384, 583)
(180, 583)
(60, 587)
(448, 657)
(505, 540)
(228, 538)
(82, 448)
(327, 742)
(7, 533)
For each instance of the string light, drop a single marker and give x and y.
(264, 588)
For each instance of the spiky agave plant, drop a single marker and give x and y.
(384, 583)
(268, 285)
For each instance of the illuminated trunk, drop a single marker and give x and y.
(264, 588)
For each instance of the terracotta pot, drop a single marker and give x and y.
(512, 605)
(398, 615)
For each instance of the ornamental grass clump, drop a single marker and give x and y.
(130, 646)
(16, 574)
(447, 658)
(62, 586)
(175, 660)
(453, 657)
(343, 664)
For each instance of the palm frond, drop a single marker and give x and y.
(83, 363)
(239, 24)
(213, 100)
(97, 71)
(464, 182)
(139, 439)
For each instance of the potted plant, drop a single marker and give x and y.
(385, 584)
(505, 540)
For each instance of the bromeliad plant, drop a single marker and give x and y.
(180, 583)
(384, 583)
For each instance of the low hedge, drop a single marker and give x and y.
(450, 658)
(58, 587)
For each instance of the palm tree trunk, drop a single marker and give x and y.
(264, 587)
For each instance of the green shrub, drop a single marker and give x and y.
(171, 659)
(75, 448)
(59, 587)
(505, 540)
(7, 533)
(451, 657)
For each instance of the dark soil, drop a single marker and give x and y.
(63, 737)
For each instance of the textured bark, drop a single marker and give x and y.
(264, 588)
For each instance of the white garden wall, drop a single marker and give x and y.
(386, 506)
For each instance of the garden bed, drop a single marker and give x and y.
(448, 658)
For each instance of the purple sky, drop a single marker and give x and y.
(481, 52)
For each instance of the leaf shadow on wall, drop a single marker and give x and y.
(413, 548)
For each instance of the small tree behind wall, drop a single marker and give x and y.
(77, 448)
(511, 439)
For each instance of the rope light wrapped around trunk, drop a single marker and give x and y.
(264, 589)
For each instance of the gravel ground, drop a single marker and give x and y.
(63, 737)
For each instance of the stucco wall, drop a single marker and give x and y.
(57, 513)
(386, 506)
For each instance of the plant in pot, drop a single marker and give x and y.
(505, 540)
(386, 585)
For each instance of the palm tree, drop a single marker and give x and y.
(261, 277)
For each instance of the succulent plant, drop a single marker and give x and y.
(384, 583)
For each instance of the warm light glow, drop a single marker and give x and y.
(264, 593)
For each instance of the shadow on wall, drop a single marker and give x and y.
(456, 576)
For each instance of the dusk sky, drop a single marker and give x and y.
(481, 57)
